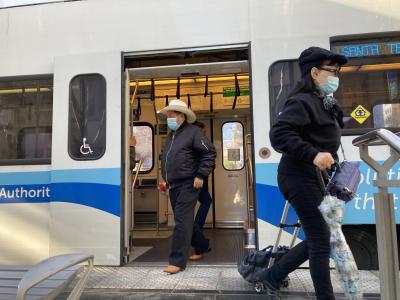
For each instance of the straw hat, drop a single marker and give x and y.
(178, 105)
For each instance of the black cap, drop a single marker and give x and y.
(314, 56)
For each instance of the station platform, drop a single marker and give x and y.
(208, 282)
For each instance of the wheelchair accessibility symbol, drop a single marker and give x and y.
(360, 114)
(85, 148)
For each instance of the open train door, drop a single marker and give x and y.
(86, 177)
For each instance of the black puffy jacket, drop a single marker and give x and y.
(187, 154)
(304, 128)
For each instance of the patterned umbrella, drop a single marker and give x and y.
(332, 210)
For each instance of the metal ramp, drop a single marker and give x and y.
(148, 281)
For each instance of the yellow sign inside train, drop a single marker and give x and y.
(360, 114)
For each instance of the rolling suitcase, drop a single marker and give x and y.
(277, 250)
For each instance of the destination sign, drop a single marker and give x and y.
(370, 49)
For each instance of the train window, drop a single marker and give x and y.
(34, 142)
(369, 83)
(368, 91)
(87, 117)
(386, 115)
(283, 76)
(26, 108)
(369, 98)
(144, 135)
(232, 146)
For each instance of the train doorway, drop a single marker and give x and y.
(215, 84)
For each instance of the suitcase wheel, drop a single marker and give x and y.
(259, 287)
(285, 282)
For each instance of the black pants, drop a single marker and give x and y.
(305, 195)
(183, 200)
(205, 203)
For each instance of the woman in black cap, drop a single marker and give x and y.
(307, 133)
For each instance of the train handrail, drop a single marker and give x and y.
(249, 177)
(139, 165)
(379, 137)
(248, 160)
(384, 208)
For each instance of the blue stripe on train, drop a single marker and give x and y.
(104, 197)
(25, 193)
(103, 175)
(97, 188)
(361, 210)
(11, 178)
(270, 204)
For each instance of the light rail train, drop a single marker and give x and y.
(78, 78)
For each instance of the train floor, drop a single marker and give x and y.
(226, 247)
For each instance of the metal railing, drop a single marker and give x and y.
(138, 166)
(384, 208)
(51, 266)
(250, 232)
(249, 179)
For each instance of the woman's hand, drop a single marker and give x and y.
(323, 161)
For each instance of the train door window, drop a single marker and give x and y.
(232, 146)
(144, 149)
(26, 108)
(283, 76)
(87, 117)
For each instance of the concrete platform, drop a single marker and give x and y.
(203, 282)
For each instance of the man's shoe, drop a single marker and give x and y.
(198, 254)
(172, 269)
(195, 257)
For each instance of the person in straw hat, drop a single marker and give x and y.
(187, 159)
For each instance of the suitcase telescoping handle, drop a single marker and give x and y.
(324, 177)
(282, 225)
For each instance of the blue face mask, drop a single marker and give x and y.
(172, 123)
(330, 86)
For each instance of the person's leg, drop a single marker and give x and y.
(185, 201)
(318, 243)
(173, 195)
(205, 203)
(199, 242)
(287, 264)
(305, 196)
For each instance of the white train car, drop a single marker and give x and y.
(78, 78)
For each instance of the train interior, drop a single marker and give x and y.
(215, 85)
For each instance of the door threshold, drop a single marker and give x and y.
(190, 264)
